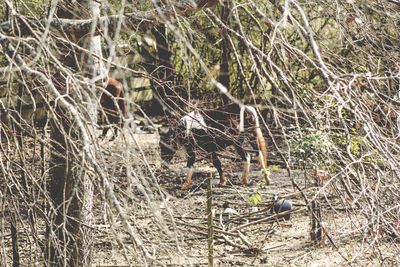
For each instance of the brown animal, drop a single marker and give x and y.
(113, 103)
(207, 132)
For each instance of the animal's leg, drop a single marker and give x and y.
(218, 166)
(254, 145)
(115, 133)
(104, 132)
(246, 163)
(190, 163)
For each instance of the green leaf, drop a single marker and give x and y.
(254, 199)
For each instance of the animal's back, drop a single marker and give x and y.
(115, 88)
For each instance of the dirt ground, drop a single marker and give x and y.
(172, 223)
(249, 237)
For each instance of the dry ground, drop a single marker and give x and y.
(248, 238)
(173, 223)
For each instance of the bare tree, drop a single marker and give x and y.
(327, 75)
(69, 232)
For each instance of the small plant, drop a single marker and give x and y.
(312, 149)
(274, 168)
(265, 173)
(355, 143)
(254, 199)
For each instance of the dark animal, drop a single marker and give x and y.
(113, 103)
(207, 132)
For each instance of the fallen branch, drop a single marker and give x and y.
(275, 216)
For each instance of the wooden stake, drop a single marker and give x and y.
(210, 224)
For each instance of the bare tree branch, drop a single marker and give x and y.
(137, 21)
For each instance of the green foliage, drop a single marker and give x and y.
(254, 199)
(33, 7)
(311, 149)
(355, 143)
(315, 149)
(275, 168)
(357, 147)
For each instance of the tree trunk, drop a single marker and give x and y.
(166, 89)
(14, 241)
(69, 233)
(224, 78)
